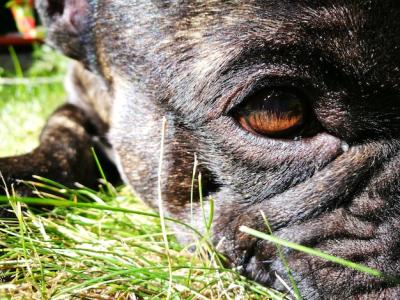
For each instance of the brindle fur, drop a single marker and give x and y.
(192, 62)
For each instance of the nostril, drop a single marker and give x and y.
(55, 8)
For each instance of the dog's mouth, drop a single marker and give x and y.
(319, 279)
(365, 242)
(346, 210)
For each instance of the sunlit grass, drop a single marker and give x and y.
(107, 246)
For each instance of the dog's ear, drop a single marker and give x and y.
(68, 23)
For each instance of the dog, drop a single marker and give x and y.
(292, 109)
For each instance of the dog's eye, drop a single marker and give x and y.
(274, 113)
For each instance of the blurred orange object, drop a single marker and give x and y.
(22, 11)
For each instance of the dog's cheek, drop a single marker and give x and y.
(136, 134)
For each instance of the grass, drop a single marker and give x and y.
(98, 245)
(102, 244)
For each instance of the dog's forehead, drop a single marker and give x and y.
(187, 14)
(361, 35)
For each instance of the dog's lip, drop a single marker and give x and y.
(271, 273)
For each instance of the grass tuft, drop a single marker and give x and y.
(115, 250)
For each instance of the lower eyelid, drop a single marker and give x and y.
(251, 143)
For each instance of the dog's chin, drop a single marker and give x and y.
(340, 234)
(357, 220)
(317, 279)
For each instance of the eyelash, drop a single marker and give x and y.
(238, 96)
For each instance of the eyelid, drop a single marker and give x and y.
(286, 78)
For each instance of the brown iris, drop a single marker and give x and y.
(275, 113)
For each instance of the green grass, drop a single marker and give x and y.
(108, 245)
(102, 244)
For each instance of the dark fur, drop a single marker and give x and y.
(193, 61)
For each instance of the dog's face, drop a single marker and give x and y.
(292, 108)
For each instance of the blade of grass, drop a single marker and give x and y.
(16, 63)
(66, 203)
(296, 292)
(314, 252)
(195, 165)
(161, 207)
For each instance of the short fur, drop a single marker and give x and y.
(193, 62)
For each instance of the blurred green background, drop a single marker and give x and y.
(31, 87)
(28, 96)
